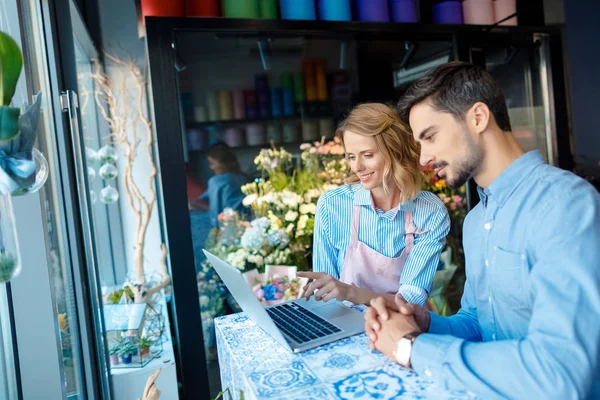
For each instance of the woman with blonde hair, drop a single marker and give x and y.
(378, 234)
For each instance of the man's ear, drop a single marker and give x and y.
(479, 117)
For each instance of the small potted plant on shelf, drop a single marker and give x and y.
(126, 350)
(144, 343)
(114, 354)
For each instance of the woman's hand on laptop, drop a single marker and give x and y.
(325, 286)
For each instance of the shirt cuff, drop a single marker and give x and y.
(428, 354)
(413, 294)
(438, 324)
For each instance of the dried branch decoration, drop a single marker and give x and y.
(122, 112)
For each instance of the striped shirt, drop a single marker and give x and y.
(383, 232)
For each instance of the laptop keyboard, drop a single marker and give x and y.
(299, 323)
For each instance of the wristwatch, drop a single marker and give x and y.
(404, 349)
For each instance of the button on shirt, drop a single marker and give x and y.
(383, 232)
(529, 326)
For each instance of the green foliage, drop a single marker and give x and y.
(124, 347)
(115, 297)
(11, 63)
(144, 342)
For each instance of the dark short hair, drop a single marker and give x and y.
(453, 88)
(223, 154)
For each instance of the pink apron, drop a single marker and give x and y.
(371, 270)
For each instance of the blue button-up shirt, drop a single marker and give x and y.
(383, 231)
(529, 326)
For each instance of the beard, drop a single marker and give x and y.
(467, 167)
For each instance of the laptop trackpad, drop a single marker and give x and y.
(331, 311)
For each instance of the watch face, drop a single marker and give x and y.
(403, 351)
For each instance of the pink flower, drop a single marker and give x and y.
(457, 199)
(313, 150)
(322, 150)
(260, 294)
(453, 206)
(304, 146)
(279, 295)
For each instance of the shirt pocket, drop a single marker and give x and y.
(508, 278)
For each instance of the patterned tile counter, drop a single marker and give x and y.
(253, 363)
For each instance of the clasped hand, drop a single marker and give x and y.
(386, 324)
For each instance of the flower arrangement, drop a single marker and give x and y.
(287, 198)
(326, 160)
(276, 285)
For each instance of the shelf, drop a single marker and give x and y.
(341, 30)
(229, 122)
(261, 146)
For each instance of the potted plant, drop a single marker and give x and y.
(126, 350)
(144, 343)
(19, 161)
(114, 354)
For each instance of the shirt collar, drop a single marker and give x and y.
(362, 197)
(505, 184)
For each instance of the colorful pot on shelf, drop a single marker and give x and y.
(290, 133)
(335, 10)
(478, 12)
(239, 105)
(161, 8)
(447, 12)
(268, 9)
(202, 8)
(404, 10)
(298, 9)
(114, 359)
(256, 135)
(373, 10)
(234, 137)
(274, 134)
(241, 9)
(503, 9)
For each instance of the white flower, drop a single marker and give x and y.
(256, 259)
(290, 199)
(312, 194)
(328, 187)
(302, 222)
(250, 199)
(204, 300)
(291, 216)
(310, 208)
(289, 228)
(238, 258)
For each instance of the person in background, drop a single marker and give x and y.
(529, 325)
(379, 233)
(224, 188)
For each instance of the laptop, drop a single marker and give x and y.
(297, 325)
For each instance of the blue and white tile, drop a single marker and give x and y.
(268, 383)
(375, 383)
(318, 392)
(340, 360)
(363, 341)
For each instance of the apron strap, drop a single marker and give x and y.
(409, 236)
